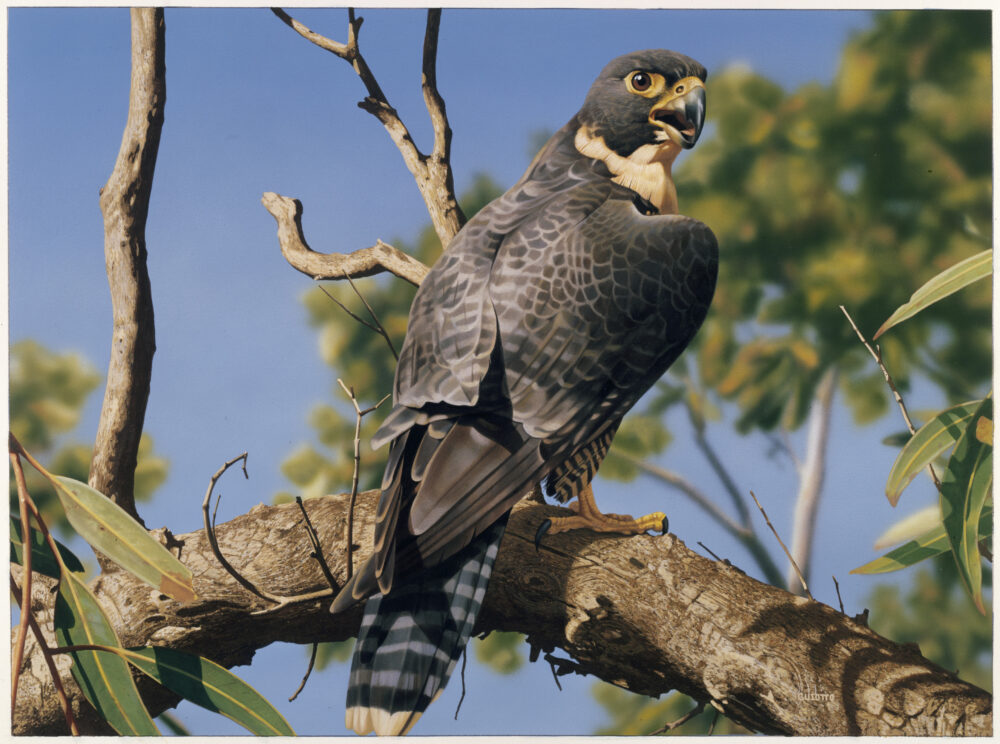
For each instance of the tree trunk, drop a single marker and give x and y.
(125, 204)
(644, 613)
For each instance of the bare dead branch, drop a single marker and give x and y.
(432, 173)
(125, 204)
(380, 257)
(791, 560)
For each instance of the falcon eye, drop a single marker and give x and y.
(640, 81)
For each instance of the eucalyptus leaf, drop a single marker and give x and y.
(932, 543)
(946, 283)
(109, 529)
(42, 560)
(965, 486)
(213, 687)
(933, 438)
(104, 678)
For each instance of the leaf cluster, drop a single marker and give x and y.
(101, 665)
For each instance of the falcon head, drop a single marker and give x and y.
(654, 97)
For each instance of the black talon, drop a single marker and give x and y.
(664, 526)
(542, 529)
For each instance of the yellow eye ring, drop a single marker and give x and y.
(646, 84)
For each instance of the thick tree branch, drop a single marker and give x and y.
(642, 612)
(432, 172)
(125, 204)
(364, 262)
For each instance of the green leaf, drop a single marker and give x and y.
(104, 678)
(211, 686)
(42, 560)
(965, 487)
(107, 527)
(946, 283)
(933, 438)
(910, 528)
(933, 542)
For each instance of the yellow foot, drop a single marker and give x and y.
(588, 517)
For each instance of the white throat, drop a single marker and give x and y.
(646, 171)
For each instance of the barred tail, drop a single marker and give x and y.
(410, 639)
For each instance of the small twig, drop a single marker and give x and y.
(707, 550)
(210, 527)
(312, 662)
(839, 600)
(347, 310)
(355, 478)
(782, 544)
(17, 657)
(876, 353)
(680, 721)
(711, 727)
(278, 600)
(465, 655)
(552, 666)
(380, 329)
(47, 655)
(317, 548)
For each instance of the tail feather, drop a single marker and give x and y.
(411, 638)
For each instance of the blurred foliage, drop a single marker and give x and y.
(936, 614)
(501, 651)
(47, 394)
(636, 715)
(854, 194)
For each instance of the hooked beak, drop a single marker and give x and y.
(681, 113)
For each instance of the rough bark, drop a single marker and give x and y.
(643, 612)
(125, 204)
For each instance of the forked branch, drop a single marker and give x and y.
(432, 172)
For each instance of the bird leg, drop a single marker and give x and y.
(588, 516)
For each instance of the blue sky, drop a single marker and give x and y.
(252, 107)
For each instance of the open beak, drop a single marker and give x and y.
(681, 113)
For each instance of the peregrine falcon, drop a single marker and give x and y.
(548, 316)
